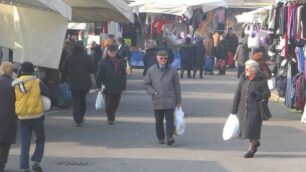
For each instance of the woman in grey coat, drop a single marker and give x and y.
(252, 89)
(162, 84)
(8, 118)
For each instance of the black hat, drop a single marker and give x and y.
(162, 53)
(27, 68)
(112, 48)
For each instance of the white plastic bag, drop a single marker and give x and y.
(271, 83)
(46, 103)
(231, 128)
(128, 68)
(303, 119)
(99, 101)
(179, 121)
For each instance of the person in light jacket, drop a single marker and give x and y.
(241, 56)
(8, 118)
(163, 85)
(30, 111)
(252, 89)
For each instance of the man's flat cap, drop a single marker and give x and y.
(162, 53)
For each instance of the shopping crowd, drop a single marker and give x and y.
(21, 98)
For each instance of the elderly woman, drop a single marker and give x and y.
(251, 90)
(8, 118)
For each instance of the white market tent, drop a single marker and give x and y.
(255, 15)
(175, 7)
(34, 29)
(87, 11)
(253, 4)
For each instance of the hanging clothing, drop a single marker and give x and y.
(303, 20)
(299, 85)
(203, 28)
(289, 88)
(219, 16)
(300, 58)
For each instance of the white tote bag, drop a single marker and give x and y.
(179, 121)
(231, 128)
(46, 103)
(271, 83)
(99, 101)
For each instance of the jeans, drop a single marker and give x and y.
(111, 105)
(26, 128)
(160, 114)
(79, 105)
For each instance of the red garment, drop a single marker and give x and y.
(158, 24)
(250, 78)
(230, 59)
(116, 64)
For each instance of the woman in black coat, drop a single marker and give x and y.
(8, 118)
(187, 53)
(199, 58)
(252, 89)
(221, 55)
(77, 67)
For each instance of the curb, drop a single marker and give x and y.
(275, 98)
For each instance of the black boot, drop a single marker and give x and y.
(249, 154)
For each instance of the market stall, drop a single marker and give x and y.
(100, 10)
(34, 30)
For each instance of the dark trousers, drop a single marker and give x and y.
(199, 68)
(26, 128)
(160, 114)
(240, 70)
(4, 152)
(111, 105)
(188, 73)
(79, 104)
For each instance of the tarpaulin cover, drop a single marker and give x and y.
(34, 31)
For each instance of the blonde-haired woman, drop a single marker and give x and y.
(252, 89)
(8, 118)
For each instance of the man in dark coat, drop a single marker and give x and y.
(164, 47)
(96, 55)
(231, 46)
(187, 53)
(77, 67)
(8, 118)
(149, 58)
(199, 58)
(252, 89)
(111, 73)
(124, 53)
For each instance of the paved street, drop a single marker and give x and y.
(131, 145)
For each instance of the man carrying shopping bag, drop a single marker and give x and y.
(163, 85)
